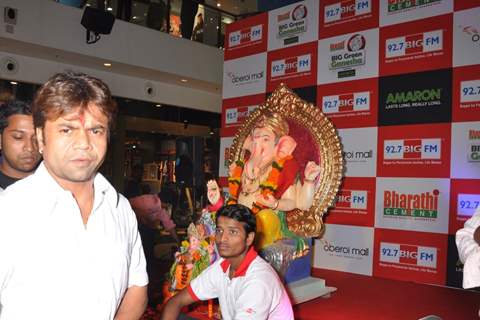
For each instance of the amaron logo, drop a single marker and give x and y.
(358, 101)
(354, 55)
(408, 149)
(291, 65)
(413, 98)
(354, 199)
(408, 254)
(346, 9)
(423, 204)
(245, 36)
(414, 44)
(395, 6)
(474, 146)
(237, 115)
(346, 250)
(246, 78)
(357, 156)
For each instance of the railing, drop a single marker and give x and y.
(180, 18)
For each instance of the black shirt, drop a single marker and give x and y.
(5, 180)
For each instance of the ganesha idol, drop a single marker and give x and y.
(286, 166)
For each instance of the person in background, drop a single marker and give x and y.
(18, 144)
(468, 244)
(197, 34)
(246, 286)
(78, 255)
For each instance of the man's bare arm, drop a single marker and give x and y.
(133, 304)
(172, 309)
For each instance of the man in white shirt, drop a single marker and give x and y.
(468, 244)
(246, 286)
(69, 244)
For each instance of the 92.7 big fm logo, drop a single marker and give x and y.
(410, 255)
(407, 149)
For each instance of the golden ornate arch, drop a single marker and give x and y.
(294, 109)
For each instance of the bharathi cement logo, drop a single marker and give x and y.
(292, 23)
(417, 205)
(291, 66)
(473, 145)
(243, 79)
(398, 6)
(346, 103)
(414, 98)
(408, 255)
(245, 37)
(412, 149)
(414, 44)
(345, 10)
(351, 199)
(348, 53)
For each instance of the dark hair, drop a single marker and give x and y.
(67, 91)
(239, 213)
(12, 108)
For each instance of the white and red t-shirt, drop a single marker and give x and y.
(254, 292)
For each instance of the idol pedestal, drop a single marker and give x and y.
(308, 288)
(300, 285)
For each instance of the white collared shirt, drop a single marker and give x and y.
(469, 251)
(52, 266)
(255, 292)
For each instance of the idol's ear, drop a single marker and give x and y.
(285, 147)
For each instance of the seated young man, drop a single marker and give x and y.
(246, 286)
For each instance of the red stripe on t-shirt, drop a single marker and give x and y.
(192, 294)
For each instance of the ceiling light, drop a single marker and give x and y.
(158, 105)
(109, 9)
(184, 80)
(14, 83)
(107, 64)
(218, 4)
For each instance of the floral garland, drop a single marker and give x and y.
(267, 187)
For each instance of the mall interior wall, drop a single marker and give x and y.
(47, 37)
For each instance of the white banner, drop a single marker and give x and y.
(245, 76)
(466, 37)
(293, 24)
(345, 248)
(465, 156)
(348, 57)
(413, 204)
(359, 151)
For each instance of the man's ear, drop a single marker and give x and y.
(39, 137)
(0, 141)
(250, 238)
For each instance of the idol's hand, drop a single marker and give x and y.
(312, 171)
(268, 201)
